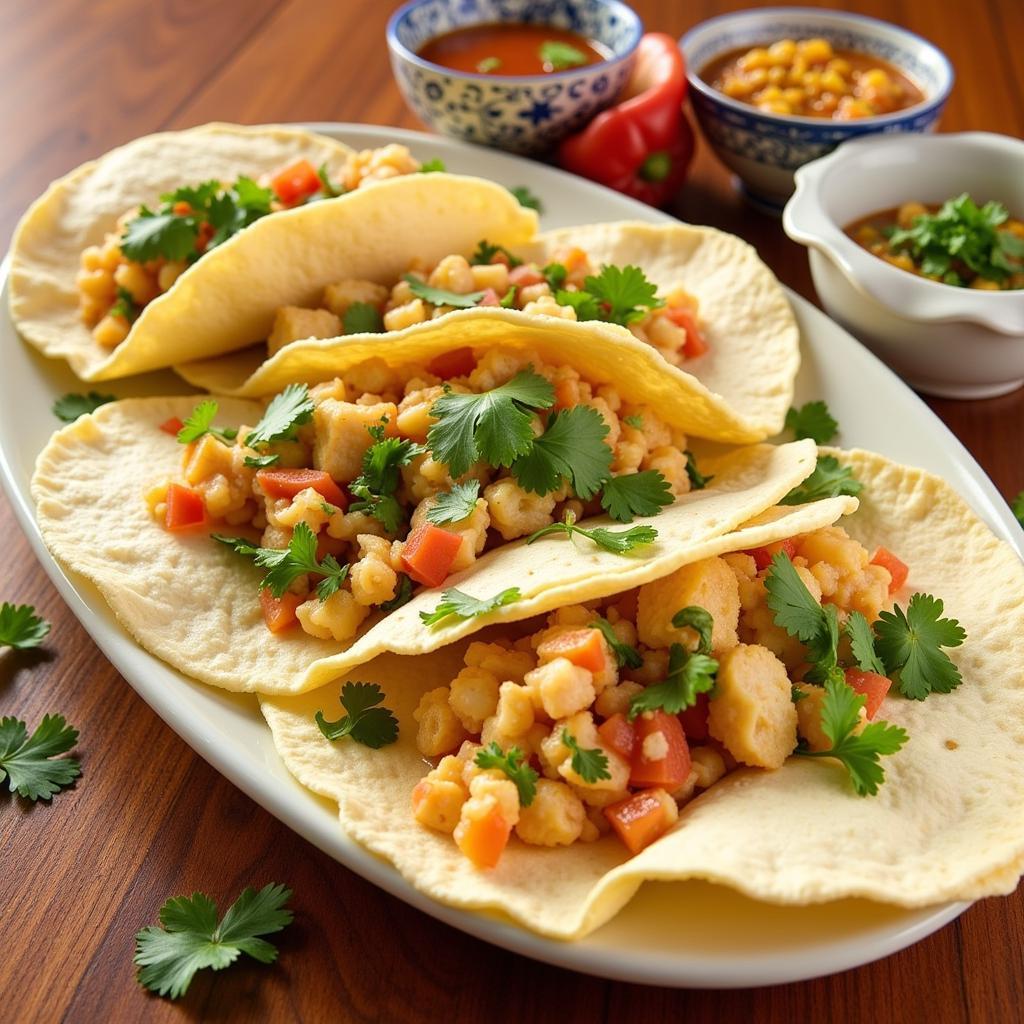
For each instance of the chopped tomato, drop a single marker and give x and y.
(173, 426)
(574, 259)
(897, 570)
(296, 182)
(286, 483)
(695, 345)
(429, 552)
(583, 647)
(483, 839)
(184, 508)
(459, 362)
(873, 686)
(491, 298)
(617, 733)
(695, 719)
(523, 276)
(279, 612)
(181, 209)
(639, 820)
(670, 771)
(763, 556)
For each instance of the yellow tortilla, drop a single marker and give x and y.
(736, 392)
(79, 209)
(948, 823)
(194, 603)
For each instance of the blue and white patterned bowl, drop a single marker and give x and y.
(765, 149)
(521, 113)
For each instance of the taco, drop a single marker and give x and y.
(698, 298)
(92, 256)
(331, 505)
(649, 734)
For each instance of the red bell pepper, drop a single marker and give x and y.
(642, 145)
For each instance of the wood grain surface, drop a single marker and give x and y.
(150, 819)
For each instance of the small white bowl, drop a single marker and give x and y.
(943, 340)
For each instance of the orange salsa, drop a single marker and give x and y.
(808, 78)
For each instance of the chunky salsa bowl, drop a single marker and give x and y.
(520, 113)
(764, 148)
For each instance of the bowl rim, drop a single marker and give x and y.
(400, 49)
(858, 125)
(905, 295)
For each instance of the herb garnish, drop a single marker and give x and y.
(635, 494)
(285, 566)
(829, 480)
(286, 411)
(403, 594)
(527, 198)
(455, 505)
(362, 318)
(441, 297)
(698, 481)
(688, 675)
(812, 420)
(624, 654)
(618, 295)
(488, 64)
(591, 765)
(20, 627)
(365, 721)
(125, 306)
(618, 542)
(26, 762)
(571, 448)
(201, 422)
(511, 763)
(557, 56)
(910, 644)
(381, 474)
(485, 252)
(432, 166)
(465, 606)
(70, 406)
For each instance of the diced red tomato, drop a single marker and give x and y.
(897, 570)
(286, 483)
(695, 344)
(695, 719)
(639, 820)
(458, 362)
(873, 686)
(483, 839)
(617, 733)
(429, 552)
(181, 208)
(296, 182)
(523, 276)
(184, 508)
(279, 612)
(173, 426)
(763, 556)
(491, 298)
(669, 772)
(583, 647)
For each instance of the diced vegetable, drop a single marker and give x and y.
(491, 298)
(296, 182)
(184, 508)
(459, 362)
(694, 719)
(328, 545)
(639, 820)
(873, 686)
(618, 735)
(524, 276)
(429, 552)
(279, 612)
(695, 345)
(286, 483)
(897, 570)
(583, 647)
(172, 426)
(483, 839)
(669, 771)
(763, 556)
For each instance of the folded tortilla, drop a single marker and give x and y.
(79, 210)
(948, 823)
(737, 392)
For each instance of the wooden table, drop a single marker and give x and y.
(150, 819)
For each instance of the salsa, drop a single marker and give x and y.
(808, 78)
(502, 49)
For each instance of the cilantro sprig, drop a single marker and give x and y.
(910, 643)
(69, 407)
(571, 448)
(403, 594)
(688, 675)
(290, 409)
(618, 542)
(200, 422)
(617, 295)
(527, 198)
(511, 762)
(700, 621)
(698, 481)
(362, 318)
(812, 420)
(378, 481)
(590, 764)
(485, 252)
(191, 939)
(635, 494)
(20, 627)
(455, 505)
(125, 306)
(30, 764)
(465, 606)
(828, 480)
(365, 720)
(285, 565)
(441, 296)
(625, 655)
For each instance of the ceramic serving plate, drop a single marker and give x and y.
(681, 934)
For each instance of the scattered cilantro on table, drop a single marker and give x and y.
(558, 56)
(465, 606)
(285, 566)
(191, 938)
(527, 198)
(365, 721)
(812, 420)
(30, 764)
(511, 763)
(617, 295)
(618, 542)
(20, 627)
(69, 407)
(455, 505)
(590, 764)
(625, 655)
(441, 297)
(688, 675)
(828, 480)
(376, 484)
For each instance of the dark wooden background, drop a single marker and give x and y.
(150, 819)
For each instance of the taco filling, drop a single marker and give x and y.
(353, 491)
(150, 249)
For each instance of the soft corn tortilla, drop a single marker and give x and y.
(948, 823)
(79, 209)
(194, 603)
(736, 392)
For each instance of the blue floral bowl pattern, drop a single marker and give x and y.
(522, 113)
(765, 149)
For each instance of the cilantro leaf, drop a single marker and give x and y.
(572, 448)
(911, 644)
(859, 752)
(495, 426)
(365, 722)
(862, 644)
(794, 606)
(124, 306)
(618, 542)
(362, 318)
(25, 760)
(557, 56)
(697, 479)
(240, 545)
(327, 187)
(1017, 508)
(465, 606)
(150, 236)
(508, 300)
(688, 675)
(585, 304)
(624, 654)
(635, 494)
(70, 406)
(591, 765)
(700, 621)
(381, 474)
(260, 461)
(636, 421)
(286, 411)
(455, 505)
(432, 166)
(511, 763)
(526, 198)
(201, 422)
(555, 275)
(20, 627)
(812, 420)
(403, 594)
(485, 252)
(191, 939)
(828, 480)
(285, 566)
(618, 295)
(441, 297)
